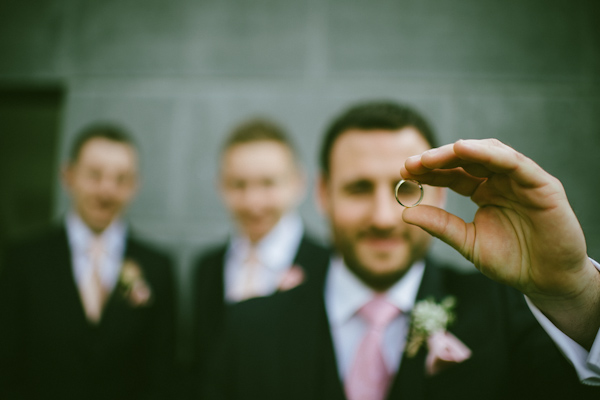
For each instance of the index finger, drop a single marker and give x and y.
(490, 154)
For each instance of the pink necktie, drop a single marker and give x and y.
(92, 291)
(248, 286)
(369, 378)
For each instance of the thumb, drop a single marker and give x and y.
(445, 226)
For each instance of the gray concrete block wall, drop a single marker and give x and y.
(458, 38)
(181, 73)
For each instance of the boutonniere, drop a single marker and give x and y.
(133, 285)
(293, 277)
(428, 325)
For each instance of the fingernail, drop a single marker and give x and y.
(465, 143)
(432, 152)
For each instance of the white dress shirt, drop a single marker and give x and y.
(275, 253)
(345, 294)
(586, 363)
(80, 238)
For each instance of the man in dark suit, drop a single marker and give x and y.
(261, 183)
(87, 310)
(379, 324)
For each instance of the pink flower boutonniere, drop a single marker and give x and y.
(133, 285)
(428, 325)
(293, 277)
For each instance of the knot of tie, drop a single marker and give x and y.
(252, 256)
(379, 312)
(96, 248)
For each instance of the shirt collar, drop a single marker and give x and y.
(345, 293)
(278, 248)
(80, 235)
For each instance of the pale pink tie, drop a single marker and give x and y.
(369, 377)
(248, 286)
(92, 291)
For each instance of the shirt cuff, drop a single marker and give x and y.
(587, 364)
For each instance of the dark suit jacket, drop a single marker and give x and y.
(209, 290)
(281, 348)
(48, 349)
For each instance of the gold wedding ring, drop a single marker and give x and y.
(408, 193)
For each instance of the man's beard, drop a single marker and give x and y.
(378, 281)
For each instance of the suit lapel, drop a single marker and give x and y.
(212, 292)
(310, 257)
(410, 379)
(217, 278)
(303, 253)
(116, 309)
(113, 304)
(308, 349)
(63, 280)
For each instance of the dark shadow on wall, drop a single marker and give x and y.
(29, 134)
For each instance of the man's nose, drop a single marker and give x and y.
(386, 213)
(253, 196)
(108, 185)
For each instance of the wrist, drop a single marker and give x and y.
(578, 313)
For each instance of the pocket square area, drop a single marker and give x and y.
(445, 350)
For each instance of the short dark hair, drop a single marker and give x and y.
(373, 115)
(259, 129)
(103, 130)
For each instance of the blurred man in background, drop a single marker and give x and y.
(387, 321)
(261, 183)
(87, 310)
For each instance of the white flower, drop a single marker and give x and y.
(133, 285)
(428, 318)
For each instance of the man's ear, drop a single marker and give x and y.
(322, 193)
(66, 176)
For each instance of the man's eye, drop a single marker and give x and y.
(123, 179)
(93, 175)
(237, 185)
(268, 183)
(359, 188)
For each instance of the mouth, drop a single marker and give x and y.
(105, 207)
(383, 243)
(253, 221)
(255, 218)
